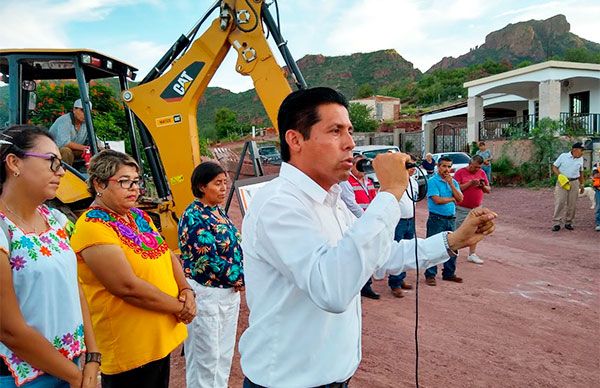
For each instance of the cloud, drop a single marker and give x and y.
(418, 30)
(582, 16)
(43, 23)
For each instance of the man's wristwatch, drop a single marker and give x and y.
(93, 357)
(448, 250)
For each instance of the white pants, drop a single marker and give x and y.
(211, 337)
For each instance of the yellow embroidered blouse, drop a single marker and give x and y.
(128, 336)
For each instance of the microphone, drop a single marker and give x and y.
(366, 165)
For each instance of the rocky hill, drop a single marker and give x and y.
(345, 73)
(533, 40)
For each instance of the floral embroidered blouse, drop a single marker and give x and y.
(44, 275)
(128, 336)
(210, 247)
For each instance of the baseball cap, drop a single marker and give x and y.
(578, 145)
(78, 104)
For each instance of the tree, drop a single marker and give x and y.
(226, 122)
(360, 116)
(365, 90)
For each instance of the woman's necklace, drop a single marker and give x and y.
(31, 227)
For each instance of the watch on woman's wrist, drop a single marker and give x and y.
(93, 357)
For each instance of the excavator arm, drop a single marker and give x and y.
(165, 104)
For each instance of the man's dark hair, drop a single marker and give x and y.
(481, 143)
(202, 175)
(299, 111)
(18, 139)
(444, 158)
(477, 159)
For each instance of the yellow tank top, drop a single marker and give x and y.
(128, 336)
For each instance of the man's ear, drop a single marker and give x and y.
(294, 139)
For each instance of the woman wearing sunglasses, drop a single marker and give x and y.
(45, 326)
(139, 298)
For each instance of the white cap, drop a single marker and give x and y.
(78, 104)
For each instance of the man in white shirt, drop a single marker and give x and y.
(569, 165)
(306, 256)
(405, 229)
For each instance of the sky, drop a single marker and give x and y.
(422, 31)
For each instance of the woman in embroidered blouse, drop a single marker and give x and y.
(44, 320)
(138, 296)
(212, 260)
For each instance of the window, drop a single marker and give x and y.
(579, 103)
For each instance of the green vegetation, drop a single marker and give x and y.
(360, 116)
(536, 172)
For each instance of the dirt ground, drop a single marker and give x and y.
(527, 317)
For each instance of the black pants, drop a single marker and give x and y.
(154, 374)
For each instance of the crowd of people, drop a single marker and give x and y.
(106, 294)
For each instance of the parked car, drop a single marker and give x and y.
(269, 154)
(459, 160)
(370, 152)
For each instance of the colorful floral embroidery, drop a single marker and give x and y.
(144, 241)
(30, 247)
(70, 345)
(210, 247)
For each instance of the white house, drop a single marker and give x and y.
(382, 107)
(515, 100)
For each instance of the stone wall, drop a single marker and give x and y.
(519, 151)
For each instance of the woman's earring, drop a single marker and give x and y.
(98, 194)
(16, 173)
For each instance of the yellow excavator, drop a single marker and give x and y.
(161, 110)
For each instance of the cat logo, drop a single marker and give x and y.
(181, 84)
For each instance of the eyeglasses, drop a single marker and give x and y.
(55, 162)
(128, 183)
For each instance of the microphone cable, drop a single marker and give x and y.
(421, 194)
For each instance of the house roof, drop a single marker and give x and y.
(534, 68)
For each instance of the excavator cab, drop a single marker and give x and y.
(162, 109)
(23, 69)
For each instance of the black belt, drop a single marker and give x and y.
(441, 216)
(573, 179)
(248, 383)
(4, 371)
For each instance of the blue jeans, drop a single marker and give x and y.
(488, 172)
(405, 230)
(597, 197)
(435, 225)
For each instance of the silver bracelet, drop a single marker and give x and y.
(447, 246)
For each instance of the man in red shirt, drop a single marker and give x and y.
(473, 183)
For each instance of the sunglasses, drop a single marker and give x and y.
(129, 183)
(55, 162)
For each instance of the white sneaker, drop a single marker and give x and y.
(598, 228)
(474, 259)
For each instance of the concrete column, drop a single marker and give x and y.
(397, 132)
(474, 116)
(427, 137)
(550, 99)
(531, 106)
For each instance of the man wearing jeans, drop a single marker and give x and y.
(442, 194)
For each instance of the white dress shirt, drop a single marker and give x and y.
(306, 258)
(406, 204)
(569, 166)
